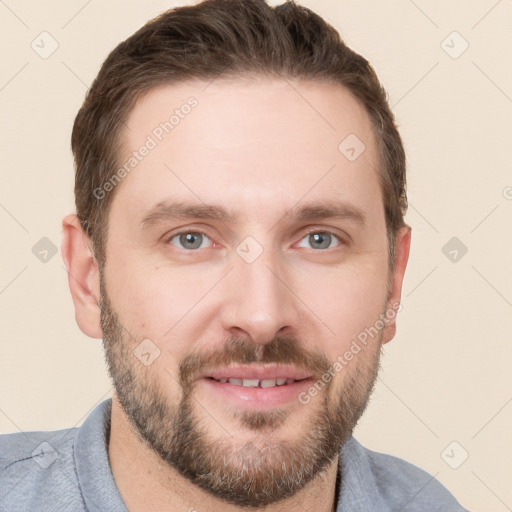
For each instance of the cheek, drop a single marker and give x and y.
(149, 300)
(346, 303)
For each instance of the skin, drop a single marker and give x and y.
(258, 148)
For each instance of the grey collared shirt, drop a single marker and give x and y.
(68, 471)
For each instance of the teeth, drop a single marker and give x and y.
(250, 383)
(254, 383)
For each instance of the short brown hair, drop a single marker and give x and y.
(226, 38)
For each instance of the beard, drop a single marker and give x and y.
(252, 473)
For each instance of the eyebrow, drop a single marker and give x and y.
(318, 210)
(329, 210)
(166, 211)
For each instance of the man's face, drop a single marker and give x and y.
(245, 245)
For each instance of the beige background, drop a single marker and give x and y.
(446, 376)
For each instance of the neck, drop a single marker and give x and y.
(147, 483)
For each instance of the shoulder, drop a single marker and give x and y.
(20, 446)
(402, 485)
(37, 471)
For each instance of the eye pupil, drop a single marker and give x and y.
(191, 240)
(320, 240)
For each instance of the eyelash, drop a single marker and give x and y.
(341, 241)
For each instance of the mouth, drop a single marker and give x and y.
(257, 387)
(257, 383)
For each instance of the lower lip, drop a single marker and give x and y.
(259, 398)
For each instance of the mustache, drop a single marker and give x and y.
(280, 350)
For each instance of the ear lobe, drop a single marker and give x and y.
(83, 276)
(402, 247)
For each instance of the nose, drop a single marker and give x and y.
(260, 302)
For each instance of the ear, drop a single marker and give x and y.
(83, 276)
(402, 246)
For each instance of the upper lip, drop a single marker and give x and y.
(261, 372)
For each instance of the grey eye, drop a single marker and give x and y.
(319, 240)
(190, 240)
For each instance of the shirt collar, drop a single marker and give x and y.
(95, 478)
(358, 489)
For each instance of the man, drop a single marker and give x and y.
(239, 245)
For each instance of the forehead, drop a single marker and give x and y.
(249, 143)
